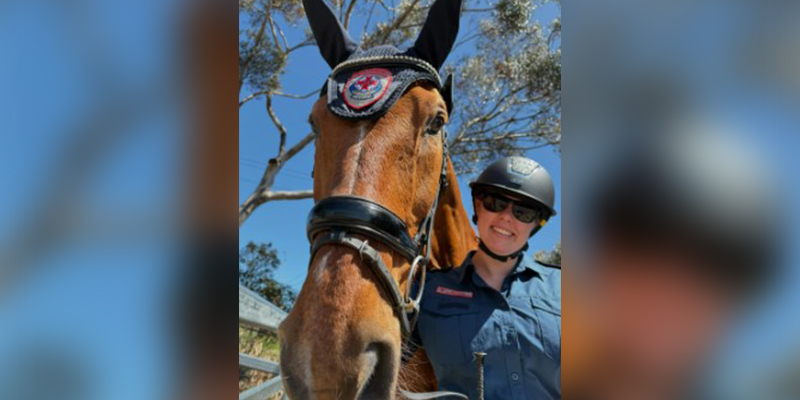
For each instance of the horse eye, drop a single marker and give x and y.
(436, 125)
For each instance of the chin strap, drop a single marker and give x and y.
(499, 257)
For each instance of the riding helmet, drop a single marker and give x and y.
(518, 176)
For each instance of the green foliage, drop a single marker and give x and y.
(509, 90)
(260, 67)
(513, 15)
(550, 257)
(508, 81)
(257, 266)
(402, 30)
(263, 50)
(259, 344)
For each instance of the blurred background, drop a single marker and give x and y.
(647, 67)
(110, 198)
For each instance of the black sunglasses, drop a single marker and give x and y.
(524, 213)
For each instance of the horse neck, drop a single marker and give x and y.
(453, 237)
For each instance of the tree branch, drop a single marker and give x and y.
(263, 193)
(308, 42)
(278, 125)
(256, 46)
(272, 26)
(510, 135)
(397, 22)
(276, 94)
(294, 96)
(298, 195)
(252, 97)
(347, 14)
(258, 198)
(299, 146)
(498, 109)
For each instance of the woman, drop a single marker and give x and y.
(499, 301)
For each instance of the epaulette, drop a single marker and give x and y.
(548, 265)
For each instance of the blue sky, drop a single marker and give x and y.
(283, 223)
(94, 306)
(701, 47)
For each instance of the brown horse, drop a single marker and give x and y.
(343, 338)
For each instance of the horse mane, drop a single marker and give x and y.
(453, 236)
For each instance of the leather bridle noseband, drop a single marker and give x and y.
(337, 219)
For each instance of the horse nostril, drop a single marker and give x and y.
(381, 365)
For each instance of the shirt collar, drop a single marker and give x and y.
(526, 264)
(466, 267)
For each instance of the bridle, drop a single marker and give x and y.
(336, 220)
(344, 220)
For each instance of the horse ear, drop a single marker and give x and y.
(333, 41)
(447, 93)
(439, 33)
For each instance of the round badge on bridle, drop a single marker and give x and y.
(365, 88)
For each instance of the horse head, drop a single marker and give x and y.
(382, 182)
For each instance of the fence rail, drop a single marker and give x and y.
(259, 364)
(255, 312)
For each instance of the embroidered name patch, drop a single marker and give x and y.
(455, 293)
(366, 87)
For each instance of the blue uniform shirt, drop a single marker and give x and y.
(519, 329)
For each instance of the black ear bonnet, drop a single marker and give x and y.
(365, 84)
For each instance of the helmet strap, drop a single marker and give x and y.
(498, 257)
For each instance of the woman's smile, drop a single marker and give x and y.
(502, 232)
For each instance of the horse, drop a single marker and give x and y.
(387, 206)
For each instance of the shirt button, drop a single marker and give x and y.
(515, 376)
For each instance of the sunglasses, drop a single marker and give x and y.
(524, 213)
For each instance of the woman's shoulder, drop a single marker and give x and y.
(441, 275)
(548, 287)
(550, 272)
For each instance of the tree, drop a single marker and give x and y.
(508, 77)
(257, 266)
(550, 257)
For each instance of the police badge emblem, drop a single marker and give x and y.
(521, 167)
(366, 87)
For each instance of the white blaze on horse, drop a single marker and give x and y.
(387, 208)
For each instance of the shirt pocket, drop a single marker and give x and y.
(447, 329)
(549, 318)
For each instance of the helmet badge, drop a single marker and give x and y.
(521, 167)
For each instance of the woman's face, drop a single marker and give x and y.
(501, 232)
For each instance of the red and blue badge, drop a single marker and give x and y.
(365, 88)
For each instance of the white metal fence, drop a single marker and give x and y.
(255, 312)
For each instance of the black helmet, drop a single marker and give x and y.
(521, 177)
